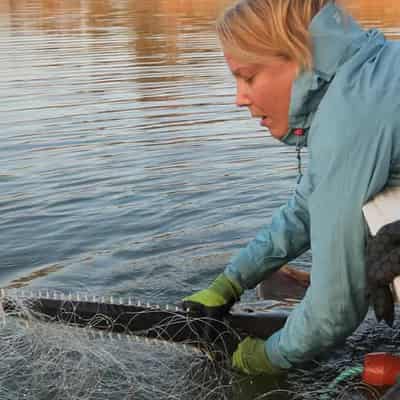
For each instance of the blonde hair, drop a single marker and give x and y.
(254, 30)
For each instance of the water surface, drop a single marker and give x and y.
(125, 165)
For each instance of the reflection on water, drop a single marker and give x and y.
(155, 25)
(26, 280)
(384, 14)
(164, 17)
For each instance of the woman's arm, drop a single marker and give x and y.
(277, 243)
(354, 170)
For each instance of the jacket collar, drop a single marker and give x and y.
(335, 37)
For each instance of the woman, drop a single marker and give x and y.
(315, 79)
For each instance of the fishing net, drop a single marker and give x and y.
(54, 361)
(41, 360)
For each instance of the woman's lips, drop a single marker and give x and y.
(265, 121)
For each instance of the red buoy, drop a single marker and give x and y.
(381, 369)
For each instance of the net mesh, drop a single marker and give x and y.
(54, 361)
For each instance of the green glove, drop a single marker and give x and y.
(250, 358)
(216, 300)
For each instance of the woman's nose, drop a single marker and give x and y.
(242, 98)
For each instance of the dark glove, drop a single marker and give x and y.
(216, 300)
(383, 265)
(251, 358)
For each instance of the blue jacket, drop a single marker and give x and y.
(349, 108)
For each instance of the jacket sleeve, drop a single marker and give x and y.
(277, 243)
(336, 301)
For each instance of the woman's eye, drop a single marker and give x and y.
(249, 79)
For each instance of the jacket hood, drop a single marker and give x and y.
(335, 37)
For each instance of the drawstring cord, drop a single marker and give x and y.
(298, 133)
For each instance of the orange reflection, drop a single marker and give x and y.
(376, 13)
(193, 8)
(72, 14)
(94, 13)
(154, 24)
(158, 23)
(158, 27)
(4, 7)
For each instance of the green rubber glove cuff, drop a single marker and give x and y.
(250, 358)
(228, 288)
(221, 292)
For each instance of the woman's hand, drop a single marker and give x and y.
(251, 358)
(216, 300)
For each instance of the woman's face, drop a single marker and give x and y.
(265, 90)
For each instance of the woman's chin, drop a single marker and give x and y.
(276, 132)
